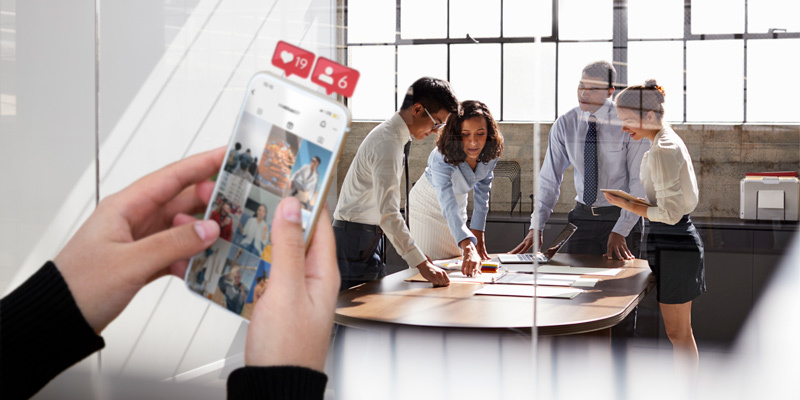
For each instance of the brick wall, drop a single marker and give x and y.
(722, 154)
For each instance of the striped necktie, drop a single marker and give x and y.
(590, 163)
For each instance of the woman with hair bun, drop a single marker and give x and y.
(674, 249)
(466, 153)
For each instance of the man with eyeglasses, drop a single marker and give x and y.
(369, 202)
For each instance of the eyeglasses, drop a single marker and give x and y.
(436, 125)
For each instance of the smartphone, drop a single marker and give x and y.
(286, 142)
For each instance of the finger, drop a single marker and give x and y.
(192, 200)
(161, 186)
(183, 219)
(627, 253)
(322, 270)
(468, 269)
(288, 247)
(521, 248)
(159, 250)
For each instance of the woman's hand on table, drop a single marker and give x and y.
(471, 260)
(481, 245)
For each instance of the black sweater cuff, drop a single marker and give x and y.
(282, 382)
(42, 333)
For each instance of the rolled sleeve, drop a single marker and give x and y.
(636, 149)
(666, 167)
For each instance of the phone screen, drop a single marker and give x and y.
(286, 142)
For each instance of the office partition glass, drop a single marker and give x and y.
(167, 77)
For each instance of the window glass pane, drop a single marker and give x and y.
(527, 18)
(585, 19)
(374, 96)
(414, 62)
(655, 19)
(371, 21)
(521, 100)
(662, 61)
(715, 81)
(713, 16)
(475, 73)
(766, 14)
(479, 18)
(423, 19)
(572, 57)
(771, 69)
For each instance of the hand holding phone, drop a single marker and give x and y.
(286, 143)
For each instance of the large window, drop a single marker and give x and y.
(716, 65)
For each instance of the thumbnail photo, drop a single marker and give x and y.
(278, 157)
(304, 182)
(253, 228)
(234, 281)
(242, 159)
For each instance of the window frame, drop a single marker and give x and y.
(619, 42)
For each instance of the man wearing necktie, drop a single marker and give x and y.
(589, 137)
(369, 202)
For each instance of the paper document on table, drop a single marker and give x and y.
(458, 277)
(561, 269)
(527, 291)
(454, 264)
(548, 280)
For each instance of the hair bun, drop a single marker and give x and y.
(651, 84)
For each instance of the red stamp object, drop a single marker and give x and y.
(335, 77)
(292, 59)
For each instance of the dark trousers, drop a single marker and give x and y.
(593, 231)
(591, 237)
(358, 253)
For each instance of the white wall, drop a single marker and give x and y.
(172, 76)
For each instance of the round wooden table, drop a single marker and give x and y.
(393, 301)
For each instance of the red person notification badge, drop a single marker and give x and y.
(292, 59)
(335, 77)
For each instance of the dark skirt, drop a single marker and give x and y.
(675, 254)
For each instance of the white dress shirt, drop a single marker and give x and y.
(668, 177)
(306, 180)
(371, 189)
(618, 161)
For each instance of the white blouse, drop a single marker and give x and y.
(667, 175)
(255, 230)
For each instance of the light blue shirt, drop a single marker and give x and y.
(451, 180)
(619, 159)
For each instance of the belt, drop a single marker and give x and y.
(597, 211)
(355, 226)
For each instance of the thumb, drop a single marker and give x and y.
(288, 254)
(159, 250)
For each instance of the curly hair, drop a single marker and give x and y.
(450, 143)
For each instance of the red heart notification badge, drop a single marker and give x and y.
(335, 77)
(292, 59)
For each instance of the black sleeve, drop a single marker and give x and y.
(276, 383)
(42, 333)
